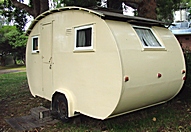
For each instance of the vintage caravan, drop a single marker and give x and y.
(102, 64)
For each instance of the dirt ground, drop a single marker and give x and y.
(19, 106)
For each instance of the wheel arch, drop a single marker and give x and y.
(69, 99)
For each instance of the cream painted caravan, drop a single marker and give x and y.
(100, 63)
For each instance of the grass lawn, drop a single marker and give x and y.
(11, 84)
(173, 116)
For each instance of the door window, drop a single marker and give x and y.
(35, 44)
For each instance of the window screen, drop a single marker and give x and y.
(147, 37)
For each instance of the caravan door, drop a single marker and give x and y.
(46, 49)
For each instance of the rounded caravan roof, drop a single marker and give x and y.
(104, 13)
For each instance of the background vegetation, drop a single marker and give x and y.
(12, 43)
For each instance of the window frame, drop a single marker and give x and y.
(86, 48)
(161, 47)
(35, 51)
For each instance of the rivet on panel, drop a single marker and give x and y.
(126, 78)
(159, 75)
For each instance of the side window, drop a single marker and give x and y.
(35, 44)
(84, 38)
(147, 37)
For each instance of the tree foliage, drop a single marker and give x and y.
(185, 4)
(2, 18)
(5, 48)
(165, 9)
(13, 14)
(154, 9)
(12, 42)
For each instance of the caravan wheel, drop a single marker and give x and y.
(60, 104)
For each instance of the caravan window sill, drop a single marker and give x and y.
(154, 49)
(83, 50)
(35, 52)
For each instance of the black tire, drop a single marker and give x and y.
(60, 105)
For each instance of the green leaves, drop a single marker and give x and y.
(165, 9)
(15, 38)
(12, 42)
(13, 14)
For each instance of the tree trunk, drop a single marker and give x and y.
(114, 4)
(23, 6)
(44, 6)
(15, 60)
(2, 61)
(39, 6)
(36, 8)
(147, 9)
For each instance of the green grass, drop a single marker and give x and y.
(11, 84)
